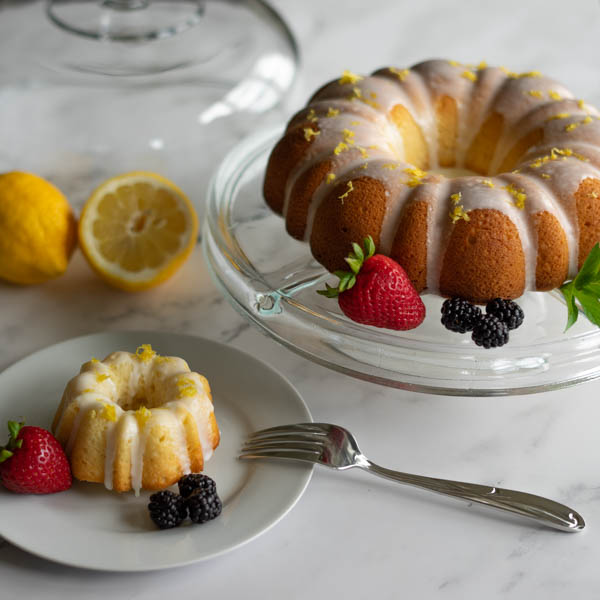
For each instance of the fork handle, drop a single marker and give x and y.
(546, 511)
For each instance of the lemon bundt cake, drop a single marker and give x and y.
(136, 421)
(480, 182)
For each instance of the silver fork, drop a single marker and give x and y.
(335, 447)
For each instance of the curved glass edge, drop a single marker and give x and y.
(358, 353)
(446, 387)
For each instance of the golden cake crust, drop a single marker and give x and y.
(483, 259)
(136, 421)
(353, 163)
(343, 216)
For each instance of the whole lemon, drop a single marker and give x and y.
(38, 231)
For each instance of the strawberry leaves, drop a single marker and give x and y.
(585, 290)
(13, 443)
(355, 261)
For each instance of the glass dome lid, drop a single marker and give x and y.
(94, 88)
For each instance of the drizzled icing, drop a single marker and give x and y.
(545, 179)
(113, 387)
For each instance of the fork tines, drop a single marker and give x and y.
(302, 441)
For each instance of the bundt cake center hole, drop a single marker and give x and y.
(451, 172)
(142, 399)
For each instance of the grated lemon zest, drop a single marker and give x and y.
(332, 112)
(457, 213)
(535, 93)
(356, 94)
(529, 74)
(330, 178)
(514, 75)
(186, 387)
(519, 196)
(415, 172)
(400, 74)
(348, 136)
(109, 412)
(414, 182)
(347, 192)
(340, 148)
(142, 414)
(349, 77)
(145, 353)
(310, 133)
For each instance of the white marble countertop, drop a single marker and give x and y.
(351, 534)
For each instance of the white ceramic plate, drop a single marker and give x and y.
(90, 527)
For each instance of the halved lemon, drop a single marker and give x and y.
(137, 229)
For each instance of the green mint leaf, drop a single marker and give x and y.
(589, 270)
(354, 263)
(369, 246)
(590, 305)
(593, 288)
(567, 292)
(358, 253)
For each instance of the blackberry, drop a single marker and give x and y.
(188, 483)
(507, 311)
(459, 315)
(490, 332)
(203, 505)
(167, 509)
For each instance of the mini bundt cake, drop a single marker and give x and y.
(480, 182)
(136, 421)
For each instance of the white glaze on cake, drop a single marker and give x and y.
(174, 393)
(548, 174)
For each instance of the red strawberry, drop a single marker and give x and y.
(377, 292)
(33, 462)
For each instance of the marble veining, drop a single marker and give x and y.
(350, 535)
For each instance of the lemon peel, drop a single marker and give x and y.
(137, 229)
(38, 231)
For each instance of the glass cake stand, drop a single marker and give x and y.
(271, 279)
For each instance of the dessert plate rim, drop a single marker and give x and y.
(93, 528)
